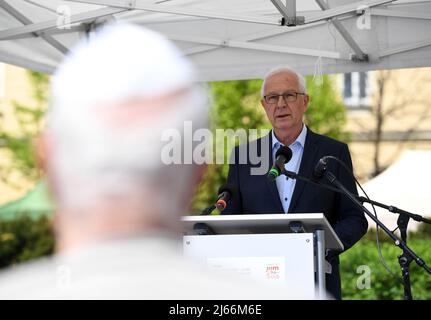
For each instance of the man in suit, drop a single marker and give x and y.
(285, 101)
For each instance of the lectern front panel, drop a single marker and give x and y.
(274, 259)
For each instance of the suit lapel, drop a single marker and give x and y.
(306, 167)
(271, 185)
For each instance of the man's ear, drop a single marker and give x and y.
(306, 101)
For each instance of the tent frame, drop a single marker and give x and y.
(46, 29)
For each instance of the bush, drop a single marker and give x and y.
(24, 239)
(423, 232)
(364, 257)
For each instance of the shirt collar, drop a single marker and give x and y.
(300, 139)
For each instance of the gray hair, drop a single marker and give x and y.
(284, 69)
(102, 148)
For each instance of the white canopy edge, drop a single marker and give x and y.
(232, 40)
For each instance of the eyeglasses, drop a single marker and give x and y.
(290, 96)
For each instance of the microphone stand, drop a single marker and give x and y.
(404, 216)
(207, 211)
(408, 254)
(405, 259)
(203, 228)
(393, 209)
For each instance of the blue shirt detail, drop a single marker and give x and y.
(285, 186)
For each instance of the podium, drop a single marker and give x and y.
(286, 250)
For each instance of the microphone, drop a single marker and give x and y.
(225, 194)
(282, 156)
(320, 169)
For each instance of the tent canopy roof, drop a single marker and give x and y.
(227, 39)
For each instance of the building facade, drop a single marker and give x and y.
(388, 112)
(16, 90)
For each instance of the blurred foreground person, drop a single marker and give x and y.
(118, 204)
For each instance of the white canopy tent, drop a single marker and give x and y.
(405, 185)
(238, 39)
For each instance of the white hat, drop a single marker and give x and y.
(143, 62)
(93, 155)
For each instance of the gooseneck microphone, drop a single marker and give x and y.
(320, 169)
(225, 194)
(282, 156)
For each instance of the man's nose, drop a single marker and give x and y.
(281, 103)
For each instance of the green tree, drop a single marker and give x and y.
(23, 239)
(365, 278)
(236, 106)
(30, 120)
(326, 113)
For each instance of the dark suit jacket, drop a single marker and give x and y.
(256, 194)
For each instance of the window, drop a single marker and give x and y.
(356, 93)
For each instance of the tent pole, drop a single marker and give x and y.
(359, 54)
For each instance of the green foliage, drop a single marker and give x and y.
(383, 285)
(24, 239)
(326, 113)
(40, 82)
(30, 119)
(423, 232)
(236, 106)
(383, 237)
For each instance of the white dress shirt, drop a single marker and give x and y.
(285, 186)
